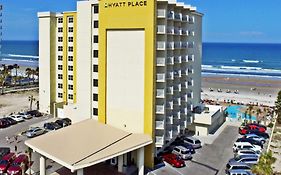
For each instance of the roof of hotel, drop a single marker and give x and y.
(86, 143)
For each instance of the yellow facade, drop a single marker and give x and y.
(130, 15)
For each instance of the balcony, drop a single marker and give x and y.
(184, 98)
(184, 32)
(170, 120)
(170, 30)
(191, 33)
(170, 75)
(190, 95)
(178, 31)
(171, 15)
(170, 90)
(160, 93)
(190, 83)
(159, 140)
(184, 72)
(177, 114)
(160, 61)
(177, 59)
(184, 45)
(171, 134)
(170, 60)
(184, 59)
(178, 16)
(161, 13)
(191, 20)
(184, 111)
(170, 45)
(177, 87)
(184, 85)
(190, 44)
(185, 18)
(160, 124)
(190, 58)
(169, 105)
(160, 77)
(177, 73)
(177, 45)
(177, 101)
(190, 70)
(161, 45)
(161, 29)
(160, 109)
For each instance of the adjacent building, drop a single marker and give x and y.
(133, 65)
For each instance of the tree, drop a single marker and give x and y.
(28, 73)
(250, 108)
(31, 99)
(16, 66)
(4, 73)
(258, 112)
(278, 107)
(264, 166)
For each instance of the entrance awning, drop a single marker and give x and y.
(86, 143)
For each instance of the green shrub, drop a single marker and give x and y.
(270, 125)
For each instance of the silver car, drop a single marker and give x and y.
(250, 160)
(34, 132)
(255, 137)
(248, 152)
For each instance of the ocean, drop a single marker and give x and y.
(219, 59)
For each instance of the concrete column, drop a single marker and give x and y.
(120, 163)
(80, 172)
(42, 165)
(140, 160)
(125, 159)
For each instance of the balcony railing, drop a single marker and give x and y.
(170, 60)
(160, 93)
(184, 98)
(184, 72)
(190, 44)
(171, 15)
(185, 18)
(190, 95)
(161, 45)
(160, 77)
(184, 111)
(177, 114)
(190, 83)
(191, 33)
(191, 20)
(169, 105)
(177, 87)
(170, 120)
(178, 16)
(160, 61)
(161, 13)
(178, 31)
(170, 90)
(191, 58)
(170, 75)
(184, 45)
(184, 85)
(177, 101)
(177, 59)
(184, 32)
(159, 140)
(177, 45)
(184, 58)
(160, 109)
(161, 29)
(170, 30)
(190, 70)
(160, 124)
(170, 45)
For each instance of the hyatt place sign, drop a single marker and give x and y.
(140, 3)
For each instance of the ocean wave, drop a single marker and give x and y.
(241, 75)
(21, 56)
(17, 60)
(251, 61)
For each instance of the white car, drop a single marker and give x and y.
(246, 152)
(246, 145)
(182, 152)
(34, 132)
(25, 115)
(17, 118)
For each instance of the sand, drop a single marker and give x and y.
(16, 102)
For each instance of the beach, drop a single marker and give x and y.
(251, 90)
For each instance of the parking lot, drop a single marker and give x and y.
(210, 159)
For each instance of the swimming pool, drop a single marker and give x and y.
(234, 112)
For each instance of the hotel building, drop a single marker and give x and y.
(133, 65)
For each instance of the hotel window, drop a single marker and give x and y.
(95, 111)
(70, 49)
(70, 87)
(96, 39)
(95, 97)
(60, 86)
(96, 9)
(59, 39)
(70, 77)
(70, 39)
(70, 29)
(70, 68)
(60, 20)
(60, 95)
(60, 48)
(96, 53)
(70, 96)
(59, 67)
(60, 29)
(96, 68)
(70, 58)
(60, 57)
(96, 83)
(60, 76)
(96, 24)
(70, 20)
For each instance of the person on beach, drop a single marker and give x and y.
(16, 148)
(7, 139)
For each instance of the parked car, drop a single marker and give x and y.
(174, 160)
(252, 141)
(20, 165)
(6, 162)
(180, 142)
(258, 133)
(36, 131)
(258, 125)
(237, 166)
(25, 115)
(3, 123)
(34, 113)
(182, 152)
(239, 172)
(196, 143)
(248, 128)
(248, 159)
(245, 145)
(17, 118)
(63, 122)
(255, 137)
(246, 152)
(4, 151)
(10, 121)
(52, 126)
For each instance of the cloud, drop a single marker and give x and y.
(251, 33)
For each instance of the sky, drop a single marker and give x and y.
(242, 21)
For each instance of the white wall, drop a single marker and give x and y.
(125, 80)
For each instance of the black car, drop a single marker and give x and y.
(52, 126)
(4, 151)
(258, 133)
(34, 113)
(10, 121)
(252, 141)
(67, 120)
(62, 122)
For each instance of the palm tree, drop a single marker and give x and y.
(31, 99)
(264, 165)
(4, 73)
(250, 108)
(28, 73)
(258, 112)
(16, 66)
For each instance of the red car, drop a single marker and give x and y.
(3, 123)
(6, 162)
(246, 129)
(257, 126)
(19, 165)
(174, 160)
